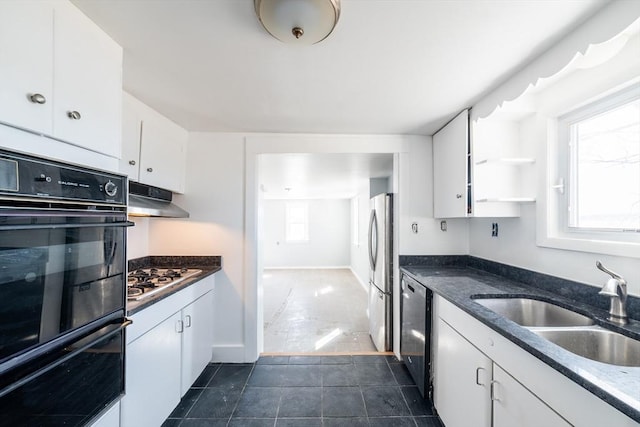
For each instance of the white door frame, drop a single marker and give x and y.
(265, 144)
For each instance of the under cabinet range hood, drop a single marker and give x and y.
(145, 200)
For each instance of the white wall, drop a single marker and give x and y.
(222, 196)
(516, 241)
(138, 238)
(214, 196)
(329, 235)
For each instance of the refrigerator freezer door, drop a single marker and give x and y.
(380, 242)
(379, 313)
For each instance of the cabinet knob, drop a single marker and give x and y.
(149, 169)
(132, 162)
(187, 321)
(37, 98)
(74, 115)
(458, 196)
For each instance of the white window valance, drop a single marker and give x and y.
(615, 19)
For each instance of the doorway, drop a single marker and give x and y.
(312, 246)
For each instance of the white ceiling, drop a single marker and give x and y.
(390, 66)
(317, 176)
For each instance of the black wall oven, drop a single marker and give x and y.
(62, 291)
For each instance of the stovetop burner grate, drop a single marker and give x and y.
(143, 283)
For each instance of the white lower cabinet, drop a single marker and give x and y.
(196, 339)
(472, 390)
(462, 381)
(514, 405)
(165, 355)
(483, 379)
(153, 375)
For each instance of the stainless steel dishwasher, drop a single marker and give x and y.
(415, 341)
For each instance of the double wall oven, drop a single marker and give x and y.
(62, 291)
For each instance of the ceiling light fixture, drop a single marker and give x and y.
(298, 21)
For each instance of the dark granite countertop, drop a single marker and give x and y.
(460, 284)
(208, 264)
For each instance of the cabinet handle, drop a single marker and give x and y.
(132, 162)
(149, 169)
(493, 391)
(458, 196)
(74, 115)
(179, 326)
(478, 376)
(187, 321)
(37, 98)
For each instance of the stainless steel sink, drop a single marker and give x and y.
(595, 343)
(532, 312)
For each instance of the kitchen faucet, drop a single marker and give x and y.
(616, 288)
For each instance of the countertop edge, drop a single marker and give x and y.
(134, 307)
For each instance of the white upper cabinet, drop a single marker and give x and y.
(131, 127)
(480, 168)
(87, 83)
(154, 148)
(62, 75)
(26, 61)
(451, 169)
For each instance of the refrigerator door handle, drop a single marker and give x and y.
(373, 240)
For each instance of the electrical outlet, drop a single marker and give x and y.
(494, 229)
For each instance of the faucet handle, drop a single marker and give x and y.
(611, 273)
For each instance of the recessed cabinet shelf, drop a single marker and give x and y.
(507, 161)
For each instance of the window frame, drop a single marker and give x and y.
(554, 230)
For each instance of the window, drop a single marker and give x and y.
(296, 222)
(598, 171)
(604, 167)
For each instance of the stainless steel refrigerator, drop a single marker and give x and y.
(381, 270)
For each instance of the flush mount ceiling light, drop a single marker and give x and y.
(298, 21)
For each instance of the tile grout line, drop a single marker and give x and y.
(235, 407)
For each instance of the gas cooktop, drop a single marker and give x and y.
(144, 282)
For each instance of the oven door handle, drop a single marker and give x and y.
(30, 377)
(55, 226)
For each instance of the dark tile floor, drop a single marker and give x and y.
(299, 391)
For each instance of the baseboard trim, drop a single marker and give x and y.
(232, 353)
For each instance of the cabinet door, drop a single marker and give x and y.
(131, 129)
(87, 80)
(162, 152)
(153, 375)
(450, 168)
(514, 405)
(197, 339)
(26, 60)
(462, 381)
